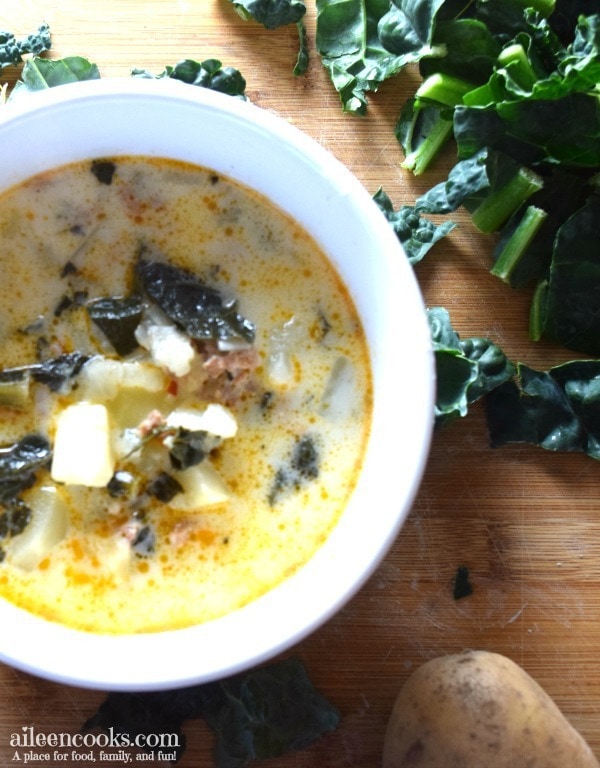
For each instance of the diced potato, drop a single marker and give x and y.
(114, 553)
(139, 375)
(339, 398)
(102, 378)
(215, 419)
(168, 346)
(83, 453)
(202, 487)
(282, 344)
(48, 526)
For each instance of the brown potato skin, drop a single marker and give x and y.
(479, 710)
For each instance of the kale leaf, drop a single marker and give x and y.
(278, 13)
(302, 465)
(527, 131)
(190, 447)
(518, 92)
(164, 487)
(466, 369)
(267, 713)
(570, 313)
(364, 42)
(39, 74)
(13, 50)
(117, 318)
(262, 713)
(466, 180)
(558, 409)
(14, 519)
(271, 13)
(19, 464)
(54, 372)
(416, 233)
(209, 74)
(201, 310)
(104, 171)
(303, 58)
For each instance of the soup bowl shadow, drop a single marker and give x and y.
(107, 118)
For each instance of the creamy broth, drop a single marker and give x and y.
(184, 475)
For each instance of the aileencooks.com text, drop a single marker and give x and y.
(30, 738)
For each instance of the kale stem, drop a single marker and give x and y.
(419, 160)
(514, 60)
(444, 89)
(537, 311)
(518, 243)
(499, 205)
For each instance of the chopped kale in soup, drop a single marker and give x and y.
(185, 395)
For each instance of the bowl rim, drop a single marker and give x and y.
(123, 662)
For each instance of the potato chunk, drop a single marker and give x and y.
(47, 527)
(83, 453)
(202, 487)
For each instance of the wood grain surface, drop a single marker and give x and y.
(525, 522)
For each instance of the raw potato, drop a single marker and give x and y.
(479, 710)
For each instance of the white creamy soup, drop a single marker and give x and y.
(185, 395)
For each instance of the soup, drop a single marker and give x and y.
(185, 395)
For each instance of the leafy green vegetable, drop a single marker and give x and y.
(278, 13)
(570, 310)
(191, 447)
(364, 42)
(462, 586)
(489, 184)
(303, 465)
(267, 713)
(466, 369)
(164, 487)
(259, 714)
(54, 372)
(201, 310)
(19, 464)
(117, 318)
(529, 130)
(271, 13)
(416, 233)
(39, 74)
(144, 542)
(470, 48)
(515, 244)
(422, 130)
(563, 194)
(518, 90)
(13, 50)
(14, 519)
(303, 56)
(104, 171)
(209, 74)
(558, 410)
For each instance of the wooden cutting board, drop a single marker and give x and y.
(525, 523)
